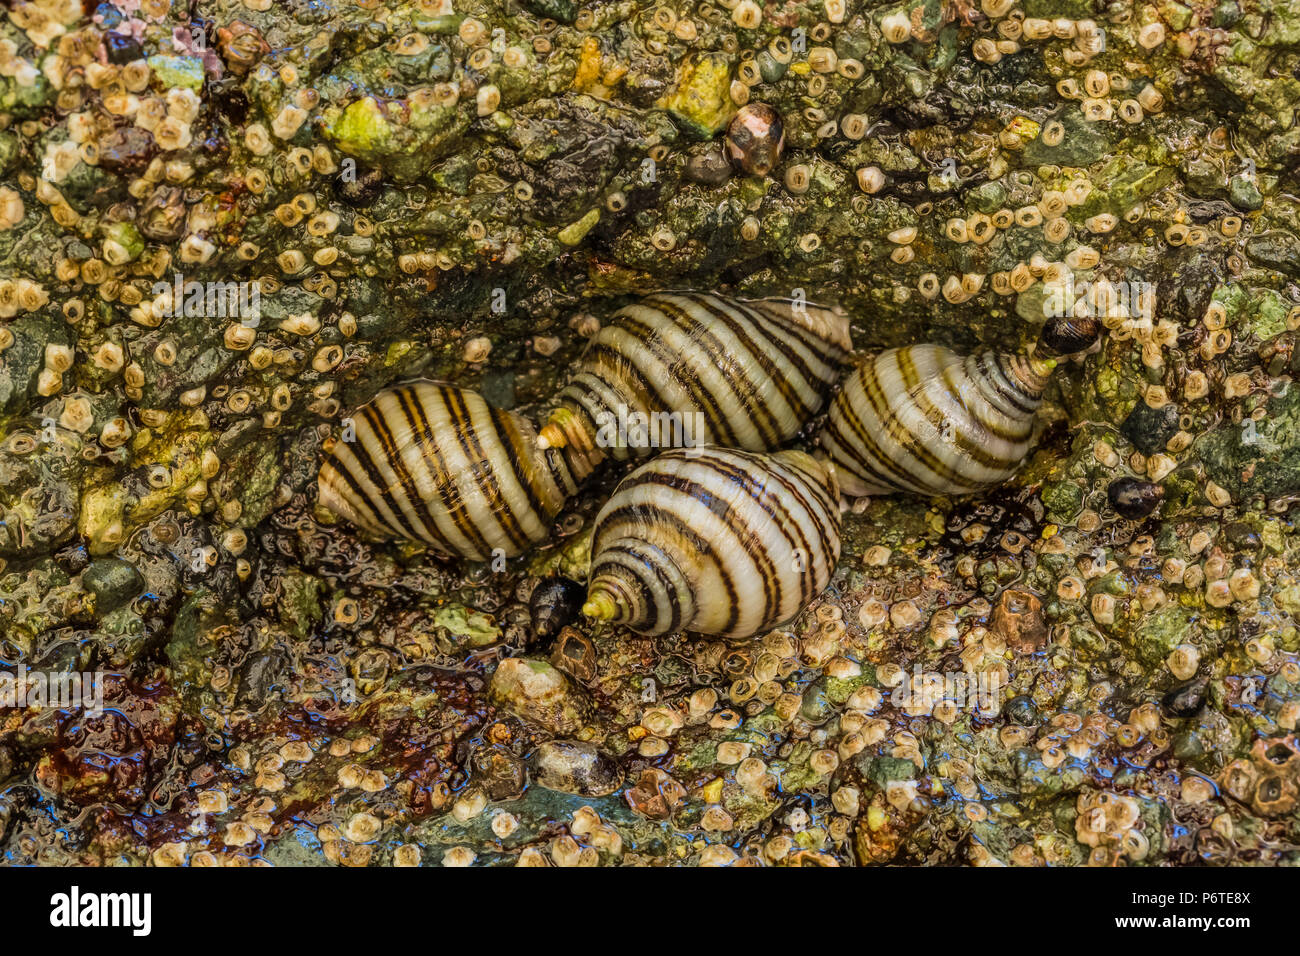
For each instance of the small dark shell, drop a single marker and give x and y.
(1067, 336)
(755, 139)
(554, 604)
(572, 766)
(709, 168)
(126, 149)
(1187, 699)
(1134, 498)
(122, 48)
(1022, 710)
(360, 188)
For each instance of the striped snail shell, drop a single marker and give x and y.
(697, 368)
(715, 541)
(438, 464)
(927, 420)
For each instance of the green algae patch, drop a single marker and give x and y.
(101, 519)
(574, 233)
(1161, 631)
(467, 625)
(701, 99)
(178, 71)
(1257, 457)
(402, 137)
(301, 611)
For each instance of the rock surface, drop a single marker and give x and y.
(356, 192)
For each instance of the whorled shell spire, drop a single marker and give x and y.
(438, 464)
(927, 420)
(699, 368)
(715, 541)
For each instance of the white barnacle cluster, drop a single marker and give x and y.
(1111, 824)
(21, 295)
(18, 68)
(1102, 95)
(44, 21)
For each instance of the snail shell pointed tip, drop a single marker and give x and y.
(600, 605)
(924, 419)
(714, 541)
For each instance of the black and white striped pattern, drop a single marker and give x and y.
(715, 541)
(438, 464)
(756, 371)
(926, 420)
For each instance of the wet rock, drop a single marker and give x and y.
(40, 490)
(572, 766)
(1149, 429)
(1018, 620)
(260, 675)
(113, 582)
(1242, 536)
(535, 691)
(1188, 698)
(115, 754)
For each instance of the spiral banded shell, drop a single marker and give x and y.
(927, 420)
(715, 541)
(700, 369)
(439, 465)
(924, 419)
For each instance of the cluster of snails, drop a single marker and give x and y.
(725, 533)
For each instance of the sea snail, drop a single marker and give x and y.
(715, 541)
(437, 464)
(1134, 498)
(685, 369)
(926, 420)
(755, 139)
